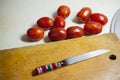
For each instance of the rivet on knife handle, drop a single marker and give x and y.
(49, 67)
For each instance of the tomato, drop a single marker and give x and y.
(63, 11)
(35, 33)
(59, 22)
(57, 34)
(74, 32)
(45, 22)
(98, 17)
(84, 14)
(92, 27)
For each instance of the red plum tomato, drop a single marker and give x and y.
(45, 22)
(84, 14)
(74, 32)
(59, 22)
(63, 11)
(92, 27)
(35, 33)
(98, 17)
(57, 34)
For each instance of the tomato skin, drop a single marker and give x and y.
(57, 34)
(35, 33)
(63, 11)
(45, 22)
(84, 14)
(74, 32)
(59, 22)
(98, 17)
(92, 27)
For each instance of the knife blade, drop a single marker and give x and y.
(68, 61)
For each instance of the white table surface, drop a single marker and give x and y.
(16, 16)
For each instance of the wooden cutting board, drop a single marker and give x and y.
(18, 63)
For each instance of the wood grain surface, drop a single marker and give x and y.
(18, 63)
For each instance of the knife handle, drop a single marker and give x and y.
(49, 67)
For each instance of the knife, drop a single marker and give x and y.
(68, 61)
